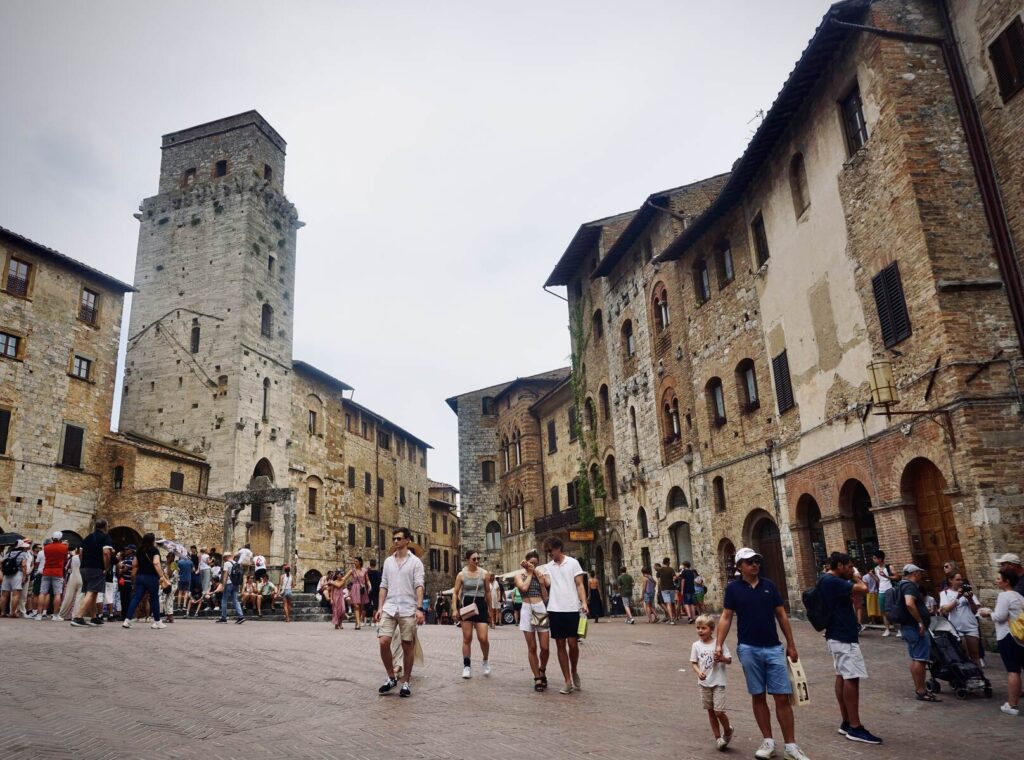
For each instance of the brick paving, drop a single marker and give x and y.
(197, 689)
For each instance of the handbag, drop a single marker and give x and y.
(1017, 628)
(581, 628)
(539, 619)
(470, 610)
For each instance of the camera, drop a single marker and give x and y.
(966, 589)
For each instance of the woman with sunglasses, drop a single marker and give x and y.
(471, 589)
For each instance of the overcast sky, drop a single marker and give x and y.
(442, 154)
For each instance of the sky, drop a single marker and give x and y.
(442, 155)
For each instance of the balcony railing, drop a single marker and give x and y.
(17, 286)
(87, 314)
(563, 519)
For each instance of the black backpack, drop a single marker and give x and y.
(815, 608)
(896, 605)
(12, 563)
(236, 574)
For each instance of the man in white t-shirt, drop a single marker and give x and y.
(567, 599)
(244, 558)
(260, 563)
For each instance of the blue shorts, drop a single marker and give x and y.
(668, 597)
(765, 669)
(648, 598)
(689, 599)
(918, 647)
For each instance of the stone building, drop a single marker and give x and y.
(59, 326)
(444, 543)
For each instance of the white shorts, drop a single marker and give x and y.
(847, 660)
(109, 592)
(525, 615)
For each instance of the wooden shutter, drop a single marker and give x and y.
(177, 481)
(892, 305)
(783, 385)
(72, 455)
(5, 426)
(1007, 54)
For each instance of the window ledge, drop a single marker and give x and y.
(12, 358)
(87, 380)
(73, 468)
(93, 325)
(19, 296)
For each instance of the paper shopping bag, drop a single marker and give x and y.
(581, 629)
(798, 680)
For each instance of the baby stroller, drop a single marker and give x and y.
(950, 663)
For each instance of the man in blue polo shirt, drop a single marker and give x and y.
(758, 605)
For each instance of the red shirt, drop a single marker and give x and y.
(56, 555)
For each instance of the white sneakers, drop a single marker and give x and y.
(723, 741)
(487, 668)
(467, 672)
(766, 750)
(793, 752)
(127, 623)
(57, 619)
(1008, 709)
(886, 633)
(158, 624)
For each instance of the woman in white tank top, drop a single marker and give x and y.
(471, 589)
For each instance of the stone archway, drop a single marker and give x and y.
(601, 575)
(726, 562)
(860, 536)
(681, 543)
(263, 469)
(764, 538)
(271, 526)
(123, 535)
(72, 539)
(935, 539)
(811, 544)
(616, 558)
(310, 581)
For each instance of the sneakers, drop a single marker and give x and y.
(388, 685)
(221, 620)
(886, 633)
(158, 625)
(861, 734)
(793, 752)
(57, 619)
(126, 624)
(79, 623)
(844, 728)
(487, 668)
(567, 689)
(727, 737)
(1008, 709)
(899, 634)
(577, 682)
(96, 621)
(630, 621)
(467, 672)
(240, 621)
(405, 691)
(671, 622)
(32, 615)
(766, 750)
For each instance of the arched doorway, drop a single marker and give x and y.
(645, 558)
(855, 503)
(726, 562)
(936, 539)
(601, 576)
(259, 529)
(73, 539)
(766, 541)
(808, 513)
(122, 536)
(264, 468)
(616, 558)
(680, 533)
(309, 581)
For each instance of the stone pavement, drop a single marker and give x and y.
(197, 689)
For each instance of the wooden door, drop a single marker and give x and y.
(935, 520)
(768, 544)
(259, 538)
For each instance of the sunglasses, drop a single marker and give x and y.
(474, 559)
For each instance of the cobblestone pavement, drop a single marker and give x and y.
(197, 689)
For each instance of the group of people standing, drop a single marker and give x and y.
(350, 590)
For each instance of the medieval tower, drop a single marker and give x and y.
(209, 361)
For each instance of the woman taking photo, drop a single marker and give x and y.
(533, 619)
(284, 583)
(147, 577)
(471, 592)
(359, 590)
(960, 607)
(1009, 605)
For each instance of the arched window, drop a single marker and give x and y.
(718, 485)
(519, 448)
(118, 477)
(716, 402)
(598, 325)
(628, 346)
(588, 414)
(633, 432)
(701, 281)
(746, 384)
(266, 399)
(606, 410)
(610, 484)
(723, 258)
(676, 498)
(194, 339)
(493, 536)
(521, 509)
(670, 417)
(641, 523)
(504, 451)
(267, 321)
(798, 184)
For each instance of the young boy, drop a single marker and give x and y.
(711, 678)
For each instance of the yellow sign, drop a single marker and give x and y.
(581, 535)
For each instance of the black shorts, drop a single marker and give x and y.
(564, 625)
(1012, 654)
(481, 607)
(93, 579)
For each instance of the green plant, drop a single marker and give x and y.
(586, 491)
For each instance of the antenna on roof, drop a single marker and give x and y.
(758, 117)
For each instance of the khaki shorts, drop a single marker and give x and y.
(713, 698)
(405, 625)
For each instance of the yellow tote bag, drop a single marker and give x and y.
(581, 629)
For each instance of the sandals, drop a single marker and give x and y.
(926, 697)
(538, 684)
(544, 678)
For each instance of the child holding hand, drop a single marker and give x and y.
(711, 678)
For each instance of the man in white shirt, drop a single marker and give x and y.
(245, 559)
(567, 598)
(400, 605)
(260, 563)
(205, 574)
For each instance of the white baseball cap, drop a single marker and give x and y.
(746, 553)
(1013, 559)
(57, 535)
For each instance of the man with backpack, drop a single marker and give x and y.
(840, 592)
(913, 618)
(231, 578)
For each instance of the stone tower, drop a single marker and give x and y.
(209, 359)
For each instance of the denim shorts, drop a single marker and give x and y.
(668, 597)
(918, 647)
(765, 669)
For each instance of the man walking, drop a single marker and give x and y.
(667, 589)
(231, 575)
(374, 577)
(567, 598)
(55, 556)
(914, 619)
(687, 586)
(400, 607)
(625, 581)
(758, 605)
(841, 593)
(184, 590)
(97, 553)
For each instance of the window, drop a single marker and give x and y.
(555, 506)
(610, 484)
(267, 321)
(670, 409)
(369, 536)
(701, 281)
(311, 500)
(492, 541)
(718, 486)
(1007, 53)
(348, 423)
(177, 481)
(266, 399)
(508, 519)
(634, 434)
(505, 452)
(628, 347)
(400, 446)
(220, 168)
(606, 411)
(517, 438)
(641, 523)
(521, 511)
(401, 494)
(798, 184)
(746, 382)
(676, 498)
(118, 474)
(487, 405)
(268, 173)
(552, 437)
(270, 265)
(5, 430)
(570, 494)
(9, 345)
(716, 402)
(446, 566)
(433, 521)
(760, 240)
(598, 325)
(351, 534)
(17, 277)
(444, 524)
(193, 346)
(71, 446)
(487, 474)
(891, 305)
(588, 414)
(81, 367)
(311, 422)
(783, 385)
(365, 429)
(573, 424)
(854, 126)
(661, 319)
(723, 257)
(380, 538)
(87, 308)
(189, 177)
(384, 440)
(380, 487)
(351, 477)
(367, 483)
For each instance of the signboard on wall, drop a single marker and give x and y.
(581, 535)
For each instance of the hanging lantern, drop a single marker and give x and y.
(883, 388)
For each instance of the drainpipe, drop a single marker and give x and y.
(376, 490)
(981, 159)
